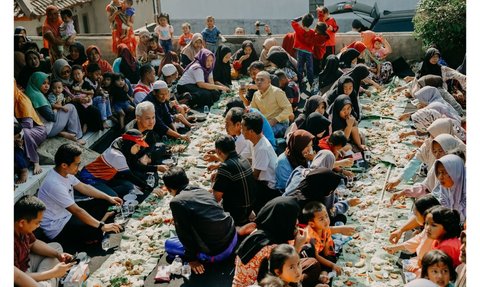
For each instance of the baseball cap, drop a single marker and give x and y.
(135, 136)
(160, 85)
(168, 70)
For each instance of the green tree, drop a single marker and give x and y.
(443, 23)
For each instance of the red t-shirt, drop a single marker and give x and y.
(451, 247)
(21, 244)
(323, 144)
(303, 39)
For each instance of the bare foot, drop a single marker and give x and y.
(246, 229)
(80, 141)
(37, 169)
(22, 176)
(68, 136)
(106, 125)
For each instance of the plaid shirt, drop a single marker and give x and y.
(235, 180)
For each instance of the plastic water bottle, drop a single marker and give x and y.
(206, 110)
(106, 242)
(339, 223)
(186, 270)
(151, 179)
(177, 264)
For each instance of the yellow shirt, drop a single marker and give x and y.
(273, 104)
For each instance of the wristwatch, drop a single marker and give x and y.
(101, 225)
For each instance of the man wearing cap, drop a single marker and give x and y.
(144, 86)
(169, 73)
(159, 97)
(66, 221)
(273, 103)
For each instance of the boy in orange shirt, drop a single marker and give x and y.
(186, 37)
(320, 237)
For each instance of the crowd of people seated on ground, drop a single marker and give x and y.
(279, 163)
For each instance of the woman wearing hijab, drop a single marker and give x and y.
(95, 56)
(424, 153)
(276, 224)
(117, 31)
(33, 64)
(451, 185)
(51, 33)
(275, 49)
(343, 118)
(313, 104)
(187, 55)
(18, 54)
(126, 64)
(222, 70)
(281, 60)
(437, 82)
(431, 66)
(77, 54)
(358, 27)
(198, 80)
(348, 58)
(267, 45)
(329, 74)
(318, 125)
(345, 86)
(442, 145)
(142, 47)
(65, 124)
(243, 57)
(298, 152)
(34, 131)
(428, 95)
(110, 171)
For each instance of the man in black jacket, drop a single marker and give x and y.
(204, 229)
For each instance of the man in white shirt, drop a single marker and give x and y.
(233, 125)
(263, 159)
(86, 224)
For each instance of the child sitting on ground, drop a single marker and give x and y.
(164, 31)
(155, 49)
(56, 97)
(438, 268)
(420, 243)
(320, 243)
(45, 263)
(121, 101)
(443, 227)
(67, 29)
(187, 35)
(282, 268)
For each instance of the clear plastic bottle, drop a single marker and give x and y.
(177, 266)
(186, 270)
(206, 110)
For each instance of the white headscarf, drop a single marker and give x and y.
(454, 197)
(423, 118)
(324, 158)
(447, 126)
(429, 95)
(421, 282)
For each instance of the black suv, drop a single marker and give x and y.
(386, 21)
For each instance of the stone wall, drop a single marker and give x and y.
(403, 43)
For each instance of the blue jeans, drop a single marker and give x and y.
(166, 45)
(279, 129)
(212, 46)
(305, 58)
(104, 106)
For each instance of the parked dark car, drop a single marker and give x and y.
(380, 21)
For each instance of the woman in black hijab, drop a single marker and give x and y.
(329, 74)
(276, 224)
(430, 65)
(77, 54)
(33, 63)
(313, 104)
(244, 57)
(318, 126)
(222, 69)
(345, 86)
(343, 118)
(348, 58)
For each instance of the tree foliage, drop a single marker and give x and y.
(443, 23)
